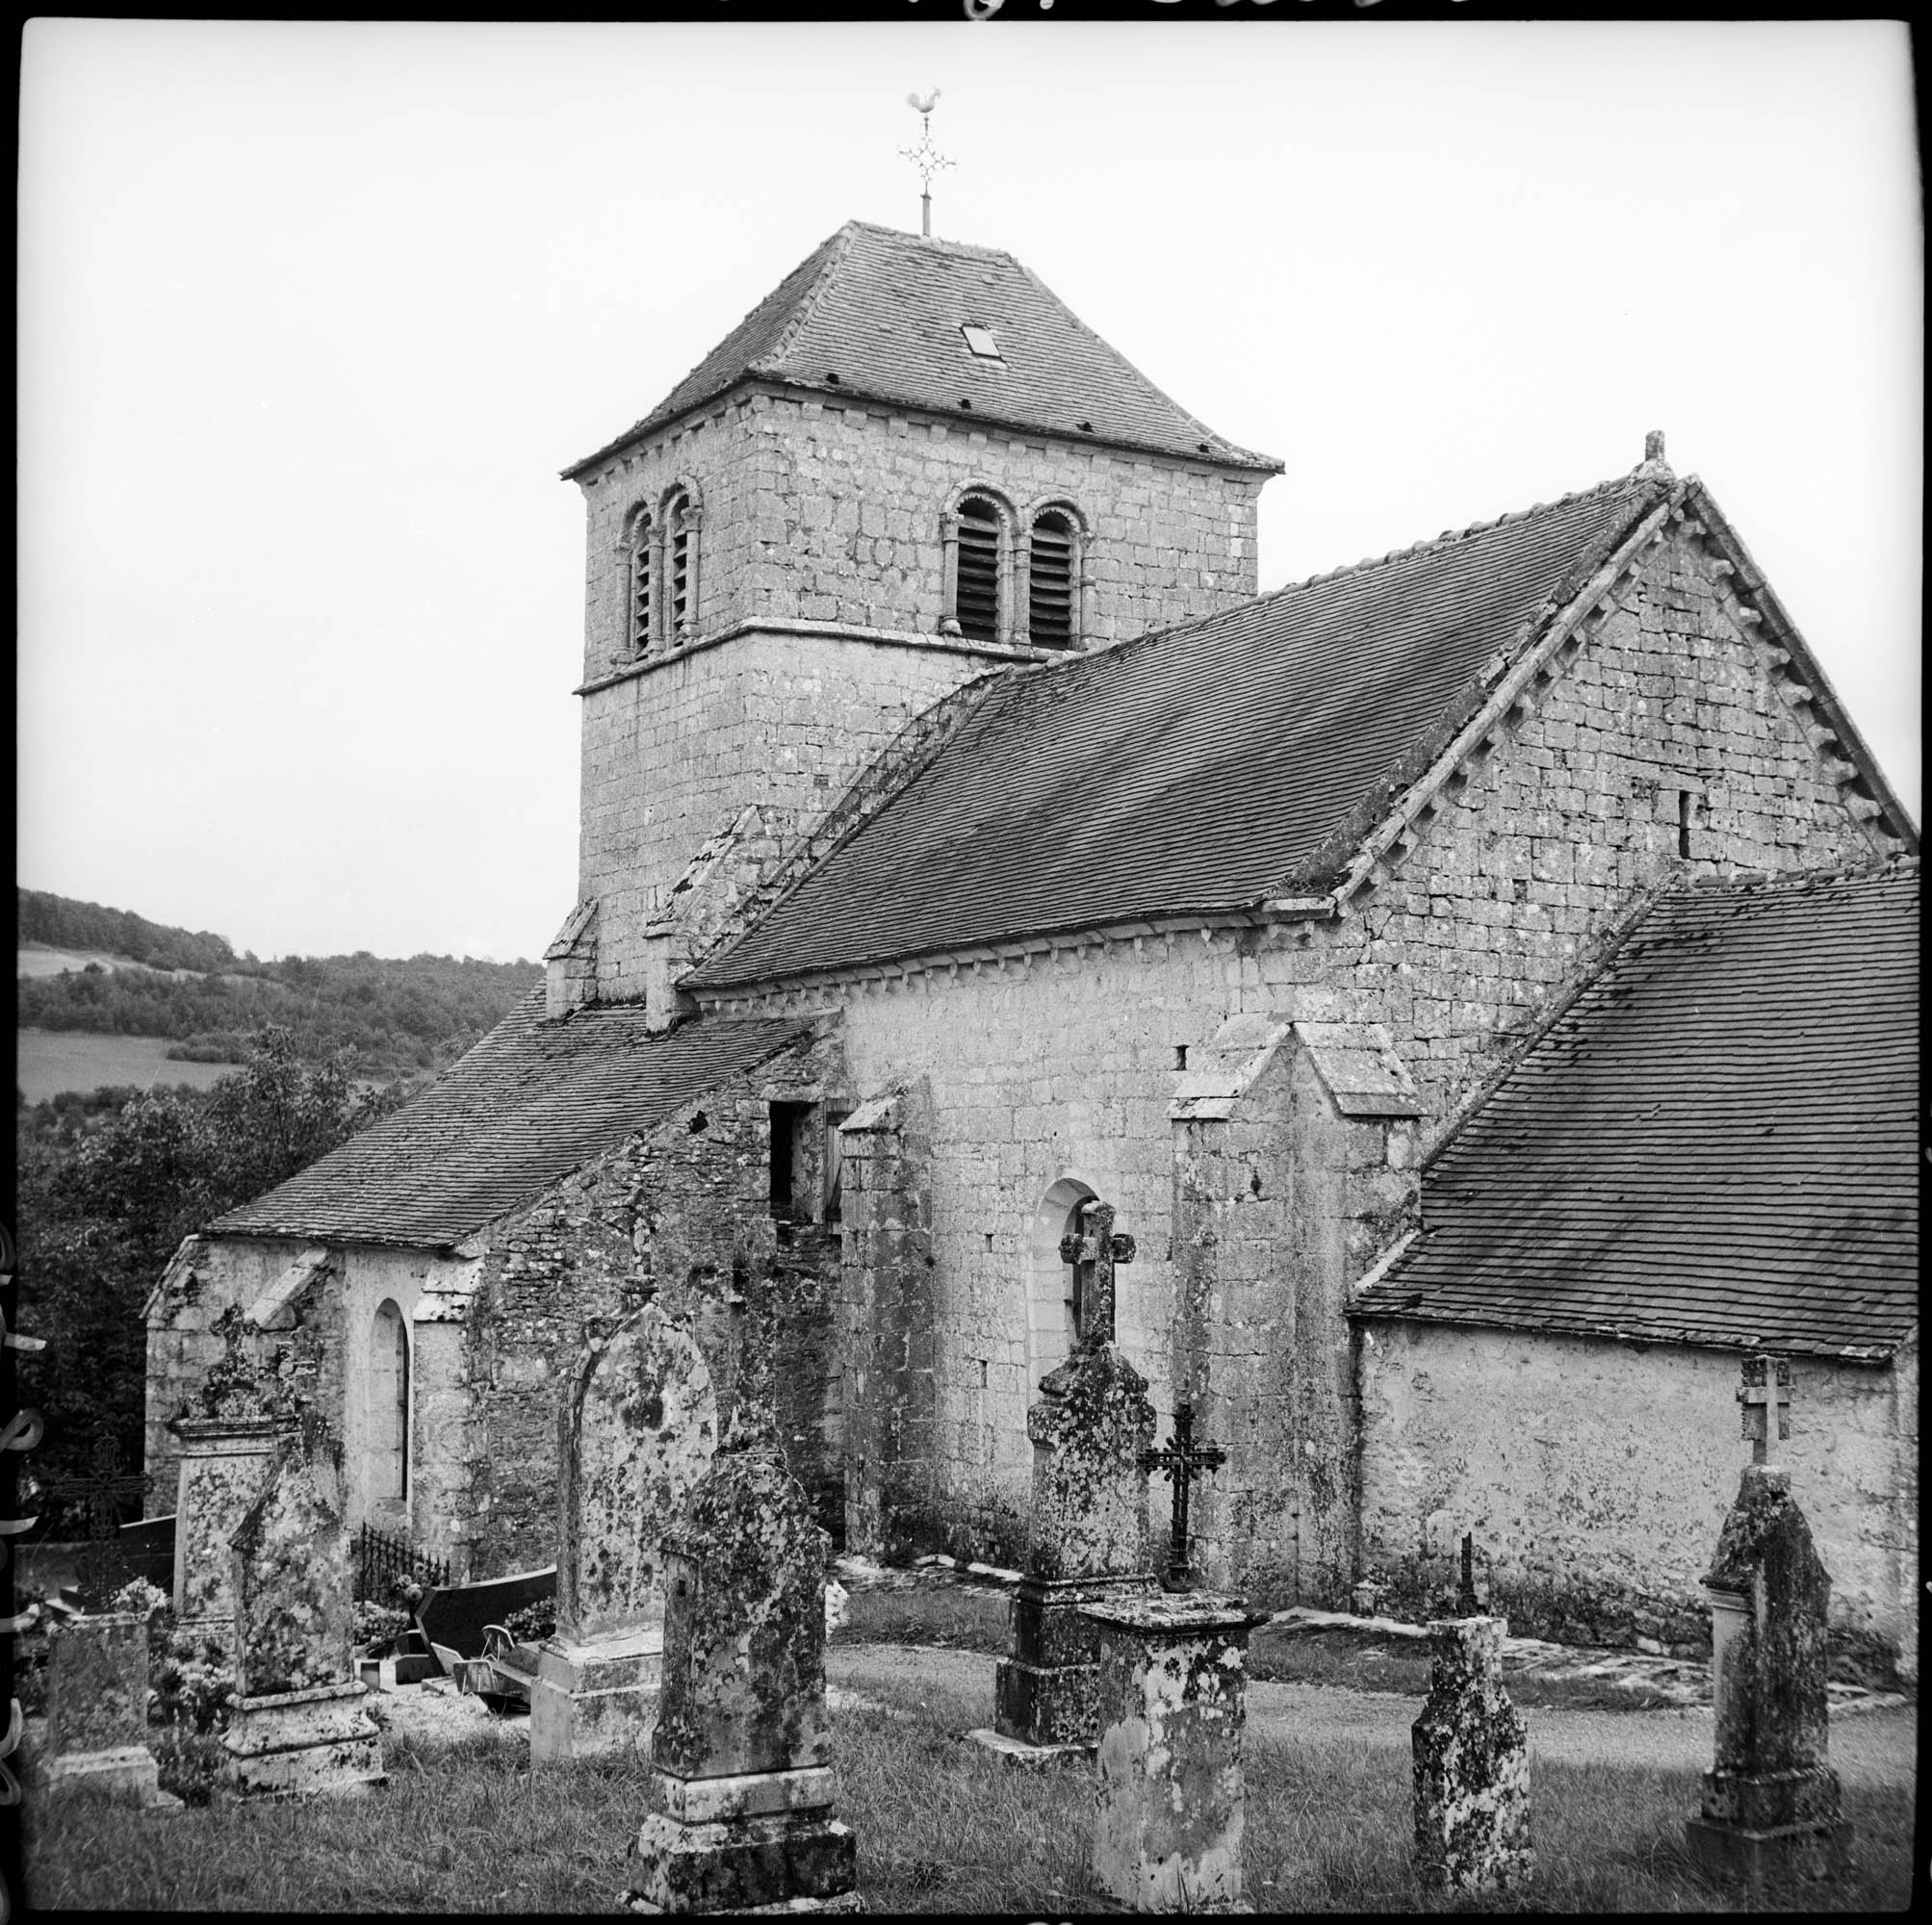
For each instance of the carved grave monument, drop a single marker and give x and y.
(1087, 1540)
(638, 1430)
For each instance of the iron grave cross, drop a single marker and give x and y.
(1092, 1249)
(1766, 1389)
(1181, 1462)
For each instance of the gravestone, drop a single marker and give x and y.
(97, 1708)
(103, 1565)
(1170, 1805)
(740, 1794)
(1472, 1765)
(1771, 1803)
(299, 1724)
(1087, 1539)
(229, 1432)
(638, 1430)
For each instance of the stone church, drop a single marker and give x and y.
(1481, 979)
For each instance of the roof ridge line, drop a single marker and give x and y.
(978, 247)
(1449, 536)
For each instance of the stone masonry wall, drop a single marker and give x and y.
(826, 510)
(199, 1285)
(1062, 1066)
(673, 755)
(1595, 1477)
(817, 511)
(683, 1213)
(1574, 812)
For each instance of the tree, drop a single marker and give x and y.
(105, 1203)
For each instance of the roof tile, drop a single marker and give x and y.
(878, 314)
(1716, 1143)
(1203, 768)
(531, 1102)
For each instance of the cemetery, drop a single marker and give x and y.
(700, 1708)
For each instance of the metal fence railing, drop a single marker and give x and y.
(381, 1558)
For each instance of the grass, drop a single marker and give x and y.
(941, 1826)
(53, 1061)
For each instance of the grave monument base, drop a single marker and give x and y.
(1046, 1694)
(758, 1841)
(292, 1744)
(1752, 1855)
(599, 1695)
(126, 1772)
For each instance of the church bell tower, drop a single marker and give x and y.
(908, 465)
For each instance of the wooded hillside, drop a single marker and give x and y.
(399, 1016)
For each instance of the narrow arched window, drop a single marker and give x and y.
(642, 535)
(389, 1406)
(680, 569)
(1050, 585)
(976, 596)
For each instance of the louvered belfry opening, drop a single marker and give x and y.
(976, 602)
(640, 585)
(678, 558)
(1049, 610)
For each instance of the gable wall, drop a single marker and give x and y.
(1511, 885)
(1595, 1477)
(182, 1344)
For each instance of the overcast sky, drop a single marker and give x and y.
(312, 313)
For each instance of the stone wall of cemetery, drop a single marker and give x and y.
(684, 1215)
(1595, 1477)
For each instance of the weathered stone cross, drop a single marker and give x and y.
(1093, 1249)
(1181, 1462)
(1766, 1389)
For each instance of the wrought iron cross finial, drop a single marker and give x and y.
(1766, 1389)
(926, 157)
(1181, 1462)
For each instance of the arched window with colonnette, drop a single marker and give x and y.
(977, 534)
(1056, 542)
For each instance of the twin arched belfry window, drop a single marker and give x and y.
(1014, 581)
(663, 559)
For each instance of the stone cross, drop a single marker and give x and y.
(1766, 1389)
(1092, 1249)
(1181, 1461)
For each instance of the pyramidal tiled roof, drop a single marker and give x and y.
(531, 1102)
(1205, 768)
(878, 314)
(1716, 1143)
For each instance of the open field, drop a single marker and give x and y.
(51, 1060)
(40, 959)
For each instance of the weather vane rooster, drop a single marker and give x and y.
(925, 155)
